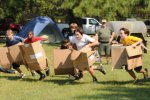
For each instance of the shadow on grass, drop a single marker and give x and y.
(118, 93)
(64, 81)
(139, 82)
(15, 78)
(10, 77)
(119, 90)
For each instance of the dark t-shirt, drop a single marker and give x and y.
(104, 34)
(16, 40)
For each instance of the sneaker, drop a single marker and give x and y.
(95, 80)
(76, 77)
(33, 74)
(22, 75)
(146, 74)
(47, 72)
(41, 77)
(80, 74)
(101, 69)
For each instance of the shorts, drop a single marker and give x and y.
(15, 65)
(137, 69)
(104, 48)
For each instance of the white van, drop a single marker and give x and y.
(90, 25)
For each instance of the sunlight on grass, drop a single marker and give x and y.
(114, 85)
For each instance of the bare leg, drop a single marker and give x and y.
(107, 59)
(132, 74)
(145, 73)
(91, 71)
(19, 70)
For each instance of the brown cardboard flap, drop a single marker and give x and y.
(134, 51)
(5, 60)
(40, 64)
(62, 62)
(119, 57)
(134, 62)
(85, 60)
(15, 54)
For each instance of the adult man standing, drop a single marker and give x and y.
(14, 40)
(105, 37)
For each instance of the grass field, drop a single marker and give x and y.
(115, 85)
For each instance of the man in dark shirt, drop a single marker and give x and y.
(105, 37)
(14, 40)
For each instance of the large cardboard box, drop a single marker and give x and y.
(5, 60)
(34, 56)
(86, 59)
(120, 58)
(62, 62)
(15, 54)
(134, 51)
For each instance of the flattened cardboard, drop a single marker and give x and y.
(62, 62)
(5, 60)
(134, 51)
(15, 54)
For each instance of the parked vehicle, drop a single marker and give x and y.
(90, 25)
(147, 23)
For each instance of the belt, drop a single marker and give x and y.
(104, 42)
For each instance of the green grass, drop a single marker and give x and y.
(115, 85)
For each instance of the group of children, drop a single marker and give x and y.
(78, 40)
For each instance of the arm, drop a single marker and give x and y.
(112, 37)
(92, 42)
(137, 43)
(44, 38)
(95, 43)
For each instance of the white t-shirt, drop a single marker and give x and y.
(81, 43)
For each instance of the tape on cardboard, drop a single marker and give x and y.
(37, 55)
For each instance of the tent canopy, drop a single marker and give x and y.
(42, 26)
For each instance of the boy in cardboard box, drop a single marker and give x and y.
(127, 40)
(82, 40)
(14, 40)
(31, 39)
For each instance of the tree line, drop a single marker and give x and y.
(69, 10)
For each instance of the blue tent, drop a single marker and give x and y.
(42, 26)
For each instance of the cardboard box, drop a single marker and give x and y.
(118, 55)
(34, 56)
(5, 60)
(15, 54)
(86, 59)
(62, 62)
(134, 51)
(120, 58)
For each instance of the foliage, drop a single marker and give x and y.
(66, 10)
